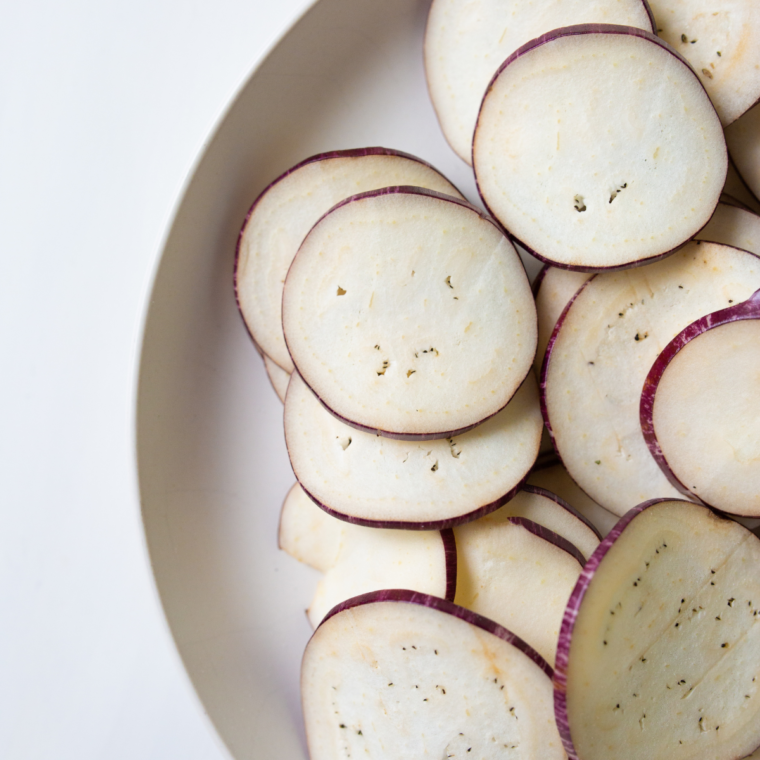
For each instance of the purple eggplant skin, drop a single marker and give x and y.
(443, 605)
(569, 31)
(450, 554)
(749, 309)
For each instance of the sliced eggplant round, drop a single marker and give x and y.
(602, 349)
(465, 43)
(409, 314)
(598, 148)
(518, 573)
(700, 409)
(288, 208)
(659, 654)
(719, 40)
(381, 482)
(395, 674)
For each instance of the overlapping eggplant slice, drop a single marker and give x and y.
(597, 148)
(659, 655)
(700, 411)
(397, 674)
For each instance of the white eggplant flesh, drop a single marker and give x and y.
(555, 289)
(555, 478)
(733, 226)
(409, 314)
(382, 482)
(399, 675)
(659, 655)
(743, 139)
(356, 560)
(465, 43)
(278, 377)
(597, 148)
(287, 209)
(519, 574)
(719, 40)
(700, 410)
(601, 351)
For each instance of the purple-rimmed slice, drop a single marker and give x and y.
(700, 409)
(554, 478)
(357, 560)
(718, 41)
(602, 349)
(659, 654)
(381, 482)
(598, 148)
(287, 209)
(737, 187)
(395, 674)
(409, 314)
(465, 42)
(518, 573)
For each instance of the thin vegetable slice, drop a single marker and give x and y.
(719, 39)
(519, 574)
(357, 560)
(602, 350)
(465, 42)
(381, 482)
(700, 412)
(743, 139)
(396, 674)
(597, 148)
(409, 314)
(659, 655)
(734, 226)
(287, 209)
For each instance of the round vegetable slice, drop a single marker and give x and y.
(409, 314)
(718, 39)
(357, 560)
(519, 574)
(287, 209)
(382, 482)
(597, 148)
(700, 412)
(395, 674)
(465, 42)
(659, 655)
(600, 354)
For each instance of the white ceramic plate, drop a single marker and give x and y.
(213, 468)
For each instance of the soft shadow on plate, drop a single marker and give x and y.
(212, 464)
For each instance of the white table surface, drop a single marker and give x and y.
(104, 108)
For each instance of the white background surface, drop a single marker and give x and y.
(104, 107)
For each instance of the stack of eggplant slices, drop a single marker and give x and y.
(442, 416)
